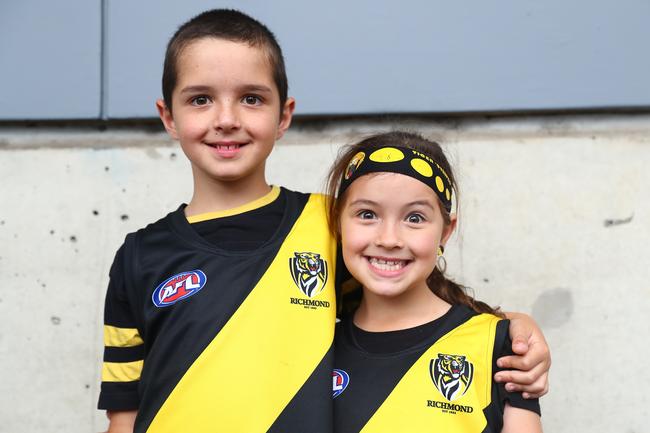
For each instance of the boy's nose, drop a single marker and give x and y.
(226, 118)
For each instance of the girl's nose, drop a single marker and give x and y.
(388, 236)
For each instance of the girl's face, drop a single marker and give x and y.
(391, 227)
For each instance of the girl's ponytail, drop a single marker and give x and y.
(453, 293)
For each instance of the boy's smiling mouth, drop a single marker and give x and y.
(227, 145)
(227, 148)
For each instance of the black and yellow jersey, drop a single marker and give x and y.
(205, 338)
(432, 378)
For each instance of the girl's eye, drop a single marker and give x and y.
(200, 100)
(366, 214)
(251, 100)
(415, 218)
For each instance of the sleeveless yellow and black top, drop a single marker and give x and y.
(433, 378)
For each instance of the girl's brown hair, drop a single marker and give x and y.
(439, 284)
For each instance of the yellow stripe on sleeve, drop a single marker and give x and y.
(121, 371)
(121, 337)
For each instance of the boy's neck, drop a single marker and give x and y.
(382, 313)
(219, 196)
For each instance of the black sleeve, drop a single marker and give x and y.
(503, 347)
(123, 346)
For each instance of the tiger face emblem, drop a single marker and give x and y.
(309, 272)
(452, 375)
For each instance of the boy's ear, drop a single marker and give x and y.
(166, 118)
(286, 116)
(449, 229)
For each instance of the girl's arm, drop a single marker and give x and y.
(121, 421)
(516, 420)
(530, 365)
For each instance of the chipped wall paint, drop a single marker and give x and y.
(555, 220)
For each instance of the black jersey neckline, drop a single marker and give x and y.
(243, 231)
(429, 333)
(182, 228)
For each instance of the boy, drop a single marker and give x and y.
(220, 316)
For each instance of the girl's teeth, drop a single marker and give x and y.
(387, 265)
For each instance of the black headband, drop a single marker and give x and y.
(402, 160)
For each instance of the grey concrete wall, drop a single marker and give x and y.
(555, 215)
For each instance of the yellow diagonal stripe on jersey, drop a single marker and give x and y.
(121, 371)
(121, 337)
(264, 354)
(475, 340)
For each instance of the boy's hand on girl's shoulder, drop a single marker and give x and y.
(121, 421)
(529, 366)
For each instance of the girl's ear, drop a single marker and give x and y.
(167, 119)
(449, 229)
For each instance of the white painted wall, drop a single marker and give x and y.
(555, 221)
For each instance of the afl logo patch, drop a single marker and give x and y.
(452, 375)
(178, 287)
(309, 272)
(340, 381)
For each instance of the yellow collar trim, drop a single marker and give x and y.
(255, 204)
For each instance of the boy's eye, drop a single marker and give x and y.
(415, 218)
(200, 100)
(366, 214)
(251, 100)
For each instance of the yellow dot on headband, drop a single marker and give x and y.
(439, 184)
(447, 194)
(387, 154)
(422, 167)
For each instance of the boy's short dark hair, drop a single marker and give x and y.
(230, 25)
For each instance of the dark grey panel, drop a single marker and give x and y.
(347, 57)
(50, 55)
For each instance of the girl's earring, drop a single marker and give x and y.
(441, 263)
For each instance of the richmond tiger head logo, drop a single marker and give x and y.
(309, 272)
(452, 375)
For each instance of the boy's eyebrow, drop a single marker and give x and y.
(256, 88)
(243, 88)
(195, 89)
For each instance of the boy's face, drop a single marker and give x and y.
(225, 110)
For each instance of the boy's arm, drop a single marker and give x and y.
(516, 420)
(123, 345)
(530, 365)
(121, 421)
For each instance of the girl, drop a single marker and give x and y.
(418, 354)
